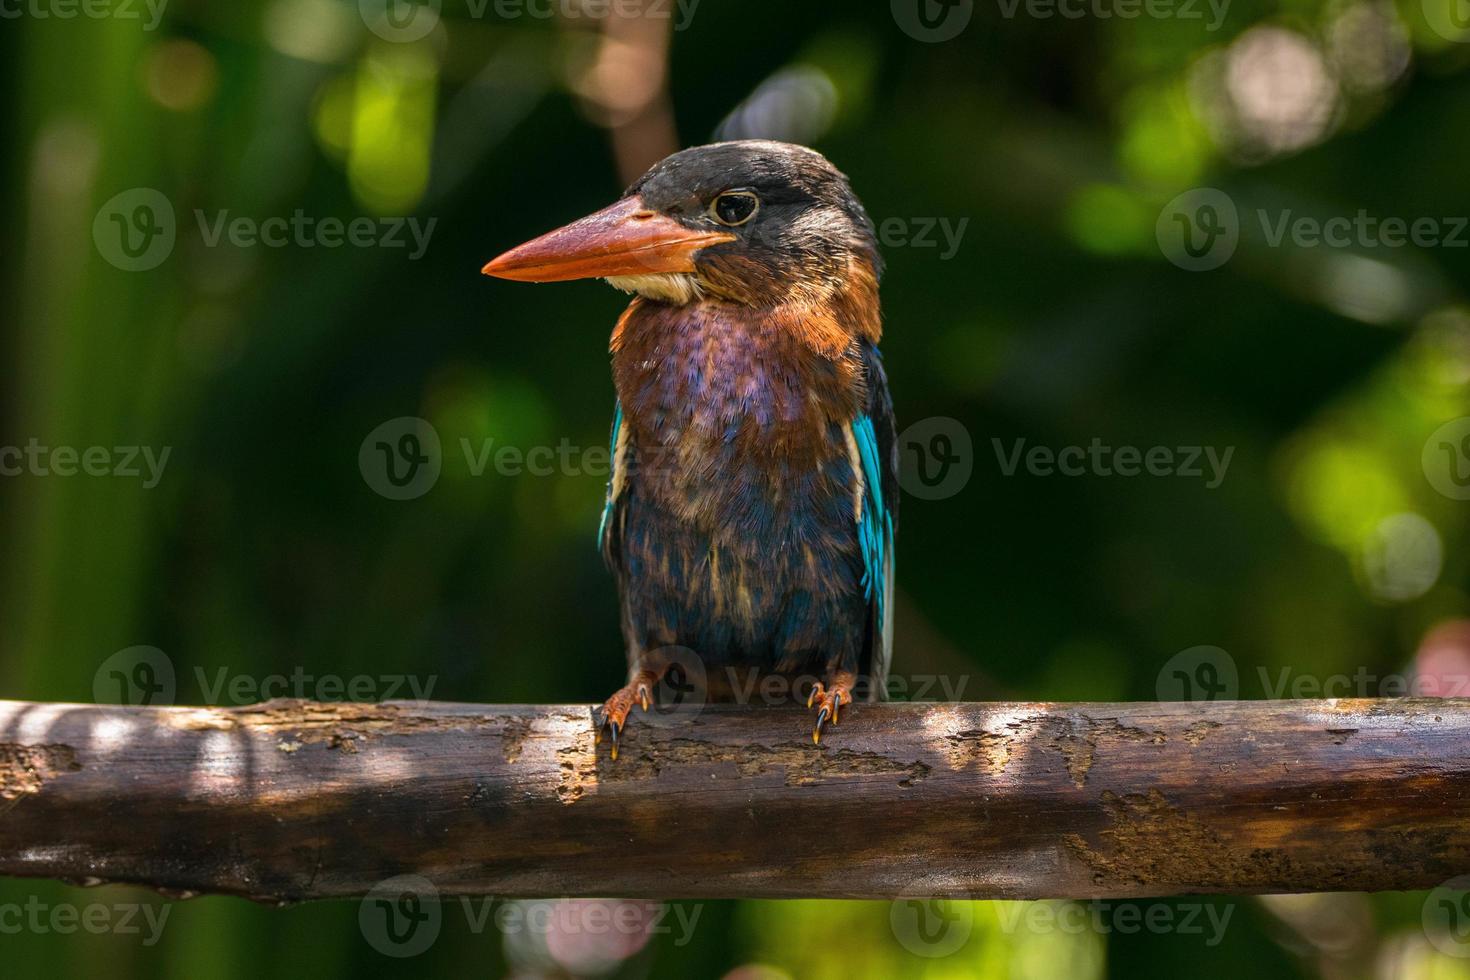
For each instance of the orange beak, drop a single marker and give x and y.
(626, 239)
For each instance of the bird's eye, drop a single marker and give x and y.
(734, 207)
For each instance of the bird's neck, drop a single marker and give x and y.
(734, 372)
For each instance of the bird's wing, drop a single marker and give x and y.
(877, 444)
(610, 530)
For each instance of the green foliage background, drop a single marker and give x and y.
(1057, 321)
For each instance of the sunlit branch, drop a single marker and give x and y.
(292, 800)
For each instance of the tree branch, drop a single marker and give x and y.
(292, 800)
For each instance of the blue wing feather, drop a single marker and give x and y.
(612, 473)
(876, 530)
(875, 534)
(875, 437)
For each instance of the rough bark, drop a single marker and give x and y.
(293, 800)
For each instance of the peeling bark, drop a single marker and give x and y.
(292, 800)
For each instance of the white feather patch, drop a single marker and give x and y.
(678, 288)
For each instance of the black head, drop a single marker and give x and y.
(794, 215)
(750, 221)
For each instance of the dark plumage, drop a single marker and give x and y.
(750, 514)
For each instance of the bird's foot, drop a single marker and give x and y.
(613, 715)
(828, 699)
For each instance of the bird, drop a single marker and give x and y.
(751, 508)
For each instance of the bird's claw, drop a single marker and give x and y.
(613, 716)
(614, 728)
(829, 702)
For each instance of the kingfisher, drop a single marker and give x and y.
(750, 513)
